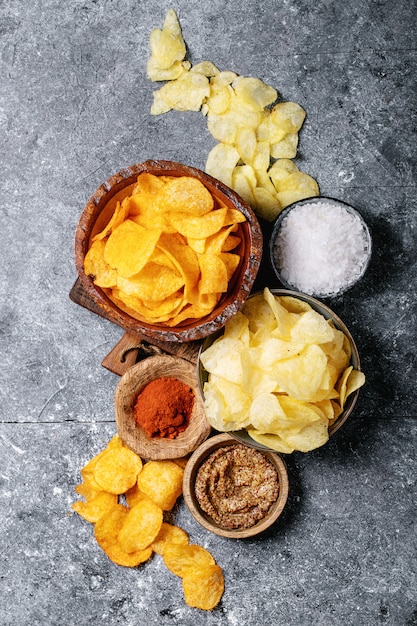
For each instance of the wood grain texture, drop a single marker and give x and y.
(128, 389)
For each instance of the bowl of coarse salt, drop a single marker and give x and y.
(320, 246)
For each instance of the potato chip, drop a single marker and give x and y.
(214, 276)
(203, 587)
(180, 558)
(161, 481)
(141, 526)
(167, 47)
(96, 266)
(129, 247)
(117, 470)
(134, 495)
(96, 506)
(221, 161)
(120, 213)
(198, 227)
(167, 535)
(106, 532)
(185, 194)
(186, 93)
(254, 92)
(153, 283)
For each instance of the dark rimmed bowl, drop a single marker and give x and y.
(242, 435)
(97, 213)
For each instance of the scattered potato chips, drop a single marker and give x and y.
(281, 371)
(130, 535)
(168, 252)
(254, 131)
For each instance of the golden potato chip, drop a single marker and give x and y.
(134, 495)
(161, 481)
(95, 506)
(167, 535)
(129, 247)
(120, 213)
(96, 266)
(203, 587)
(214, 276)
(198, 227)
(154, 283)
(140, 526)
(88, 489)
(117, 470)
(180, 558)
(185, 194)
(106, 531)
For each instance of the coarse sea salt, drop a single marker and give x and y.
(321, 248)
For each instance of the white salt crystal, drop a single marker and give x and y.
(321, 249)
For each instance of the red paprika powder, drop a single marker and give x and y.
(164, 406)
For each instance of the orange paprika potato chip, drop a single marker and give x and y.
(117, 470)
(167, 535)
(161, 481)
(106, 532)
(180, 558)
(203, 586)
(141, 526)
(95, 506)
(129, 248)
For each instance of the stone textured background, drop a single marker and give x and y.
(74, 109)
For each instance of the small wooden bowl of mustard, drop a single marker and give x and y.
(131, 391)
(253, 498)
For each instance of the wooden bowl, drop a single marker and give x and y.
(242, 435)
(97, 213)
(191, 469)
(127, 391)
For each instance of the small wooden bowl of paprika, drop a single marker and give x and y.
(159, 409)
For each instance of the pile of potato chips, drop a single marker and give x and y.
(169, 251)
(281, 371)
(256, 142)
(131, 532)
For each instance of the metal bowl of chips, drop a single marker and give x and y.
(255, 515)
(173, 278)
(300, 359)
(320, 246)
(132, 383)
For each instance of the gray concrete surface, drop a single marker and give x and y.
(74, 109)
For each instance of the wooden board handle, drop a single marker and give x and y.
(128, 351)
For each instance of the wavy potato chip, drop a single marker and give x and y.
(106, 532)
(141, 526)
(167, 535)
(180, 558)
(129, 247)
(117, 470)
(161, 481)
(203, 587)
(96, 506)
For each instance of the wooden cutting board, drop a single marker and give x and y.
(133, 347)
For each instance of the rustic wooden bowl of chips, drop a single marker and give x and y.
(129, 387)
(98, 212)
(202, 453)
